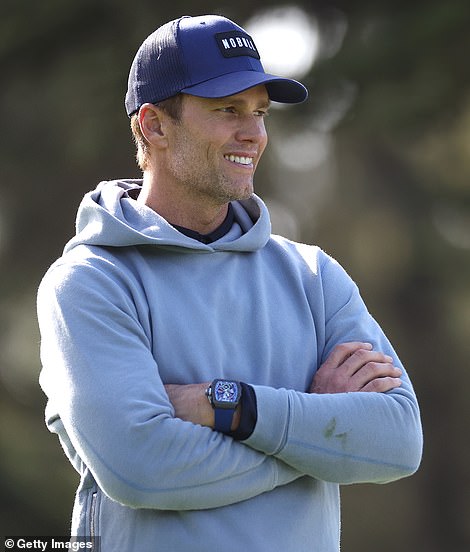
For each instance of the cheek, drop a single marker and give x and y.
(201, 146)
(262, 146)
(263, 136)
(265, 143)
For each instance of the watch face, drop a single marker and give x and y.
(226, 392)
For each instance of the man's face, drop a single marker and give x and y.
(215, 147)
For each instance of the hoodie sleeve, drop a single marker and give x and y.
(108, 401)
(344, 437)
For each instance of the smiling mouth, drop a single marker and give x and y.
(240, 160)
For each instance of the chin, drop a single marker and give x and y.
(234, 191)
(244, 192)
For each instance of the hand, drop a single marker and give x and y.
(191, 404)
(356, 367)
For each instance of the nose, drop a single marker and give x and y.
(252, 129)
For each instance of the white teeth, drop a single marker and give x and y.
(240, 160)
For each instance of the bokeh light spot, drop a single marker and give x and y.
(287, 39)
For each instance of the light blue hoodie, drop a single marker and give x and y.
(133, 304)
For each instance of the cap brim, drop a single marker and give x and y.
(279, 89)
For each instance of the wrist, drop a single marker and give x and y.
(224, 396)
(248, 414)
(245, 414)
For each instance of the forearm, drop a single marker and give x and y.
(147, 458)
(343, 437)
(144, 457)
(345, 421)
(359, 421)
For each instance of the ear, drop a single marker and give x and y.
(152, 121)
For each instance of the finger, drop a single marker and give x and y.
(381, 385)
(374, 370)
(361, 358)
(344, 350)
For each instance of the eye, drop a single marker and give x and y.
(227, 109)
(262, 113)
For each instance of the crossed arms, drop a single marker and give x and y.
(358, 421)
(351, 367)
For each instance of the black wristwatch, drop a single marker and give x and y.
(224, 396)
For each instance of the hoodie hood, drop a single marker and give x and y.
(109, 217)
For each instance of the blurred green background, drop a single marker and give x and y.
(375, 168)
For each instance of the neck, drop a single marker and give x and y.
(181, 209)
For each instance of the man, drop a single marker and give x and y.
(212, 384)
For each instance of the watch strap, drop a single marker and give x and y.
(248, 415)
(223, 419)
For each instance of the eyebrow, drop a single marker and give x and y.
(235, 101)
(266, 104)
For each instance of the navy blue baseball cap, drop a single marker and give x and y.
(207, 56)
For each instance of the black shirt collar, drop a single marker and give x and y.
(212, 236)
